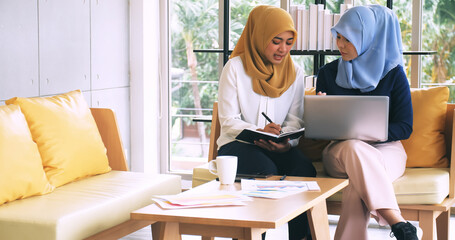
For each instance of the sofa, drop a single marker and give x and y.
(63, 173)
(426, 191)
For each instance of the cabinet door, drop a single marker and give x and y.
(116, 99)
(64, 38)
(87, 97)
(110, 51)
(18, 49)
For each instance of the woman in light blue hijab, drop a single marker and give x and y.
(371, 63)
(375, 33)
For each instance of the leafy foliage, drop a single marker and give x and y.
(194, 22)
(445, 12)
(195, 25)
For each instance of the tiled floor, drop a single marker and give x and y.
(375, 232)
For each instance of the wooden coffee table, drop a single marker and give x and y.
(243, 222)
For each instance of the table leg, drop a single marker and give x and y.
(208, 232)
(166, 231)
(319, 221)
(253, 233)
(207, 238)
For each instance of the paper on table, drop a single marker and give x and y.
(276, 189)
(200, 200)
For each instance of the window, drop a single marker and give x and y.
(194, 80)
(196, 59)
(193, 25)
(438, 34)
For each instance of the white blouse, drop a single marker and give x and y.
(239, 107)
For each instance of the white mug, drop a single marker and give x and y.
(225, 167)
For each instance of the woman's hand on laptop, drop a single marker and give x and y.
(273, 146)
(321, 93)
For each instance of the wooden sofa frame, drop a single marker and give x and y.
(107, 126)
(433, 218)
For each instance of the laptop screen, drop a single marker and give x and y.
(341, 117)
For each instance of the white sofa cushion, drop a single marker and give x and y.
(416, 186)
(422, 185)
(82, 208)
(202, 175)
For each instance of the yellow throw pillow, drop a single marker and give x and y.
(21, 170)
(67, 136)
(426, 147)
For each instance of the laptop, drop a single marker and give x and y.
(341, 117)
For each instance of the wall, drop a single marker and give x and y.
(146, 58)
(49, 47)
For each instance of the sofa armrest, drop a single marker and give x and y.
(107, 126)
(451, 146)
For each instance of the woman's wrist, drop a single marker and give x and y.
(285, 148)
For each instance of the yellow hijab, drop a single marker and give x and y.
(263, 24)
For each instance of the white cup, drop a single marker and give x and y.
(225, 167)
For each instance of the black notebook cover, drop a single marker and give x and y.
(250, 136)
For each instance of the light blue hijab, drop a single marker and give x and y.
(375, 32)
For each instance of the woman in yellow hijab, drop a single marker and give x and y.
(261, 77)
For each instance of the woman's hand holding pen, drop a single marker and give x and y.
(270, 145)
(272, 128)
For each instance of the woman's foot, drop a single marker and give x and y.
(404, 231)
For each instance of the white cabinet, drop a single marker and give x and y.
(18, 49)
(116, 99)
(88, 98)
(110, 45)
(49, 47)
(64, 45)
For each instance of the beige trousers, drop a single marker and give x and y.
(371, 169)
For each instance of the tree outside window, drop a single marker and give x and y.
(194, 24)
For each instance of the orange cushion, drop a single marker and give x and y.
(310, 91)
(426, 147)
(67, 136)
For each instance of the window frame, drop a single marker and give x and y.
(164, 68)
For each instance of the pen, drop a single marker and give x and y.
(268, 119)
(283, 177)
